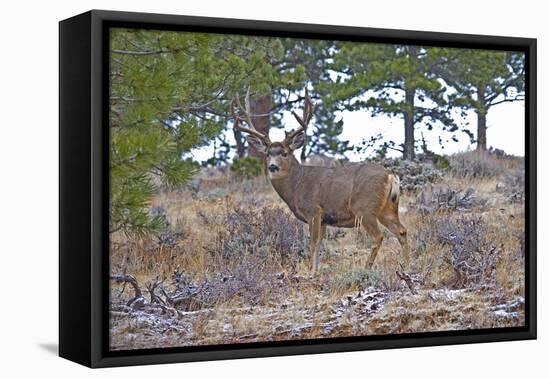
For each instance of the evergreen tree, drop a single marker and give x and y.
(169, 94)
(394, 80)
(312, 57)
(326, 132)
(483, 79)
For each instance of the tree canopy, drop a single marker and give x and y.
(170, 93)
(482, 79)
(398, 81)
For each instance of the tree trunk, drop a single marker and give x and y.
(408, 114)
(239, 142)
(259, 108)
(481, 112)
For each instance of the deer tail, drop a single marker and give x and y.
(394, 192)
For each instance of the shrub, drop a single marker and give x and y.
(354, 279)
(463, 243)
(477, 164)
(471, 254)
(238, 234)
(282, 232)
(513, 186)
(414, 175)
(444, 198)
(266, 232)
(247, 167)
(247, 283)
(441, 161)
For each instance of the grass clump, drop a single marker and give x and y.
(354, 279)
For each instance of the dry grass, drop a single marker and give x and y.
(236, 246)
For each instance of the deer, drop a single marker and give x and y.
(361, 195)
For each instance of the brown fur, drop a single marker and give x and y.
(363, 194)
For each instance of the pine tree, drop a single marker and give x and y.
(483, 79)
(310, 59)
(394, 80)
(169, 94)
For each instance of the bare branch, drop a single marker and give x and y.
(126, 278)
(408, 280)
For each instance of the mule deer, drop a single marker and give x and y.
(360, 195)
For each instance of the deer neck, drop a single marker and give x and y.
(286, 187)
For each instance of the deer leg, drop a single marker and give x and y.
(316, 231)
(372, 228)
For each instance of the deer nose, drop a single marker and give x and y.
(273, 168)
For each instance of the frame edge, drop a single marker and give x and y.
(75, 275)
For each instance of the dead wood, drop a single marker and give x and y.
(407, 279)
(127, 278)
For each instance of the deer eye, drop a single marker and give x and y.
(285, 154)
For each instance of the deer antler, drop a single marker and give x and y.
(246, 111)
(306, 117)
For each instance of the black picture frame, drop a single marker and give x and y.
(83, 195)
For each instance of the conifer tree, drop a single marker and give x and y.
(169, 94)
(395, 80)
(483, 79)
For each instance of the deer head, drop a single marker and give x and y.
(279, 155)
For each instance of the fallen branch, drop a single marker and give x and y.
(407, 279)
(126, 278)
(151, 287)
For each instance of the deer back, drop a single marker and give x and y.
(338, 192)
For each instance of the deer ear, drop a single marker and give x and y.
(297, 141)
(257, 144)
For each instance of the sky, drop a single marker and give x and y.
(506, 131)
